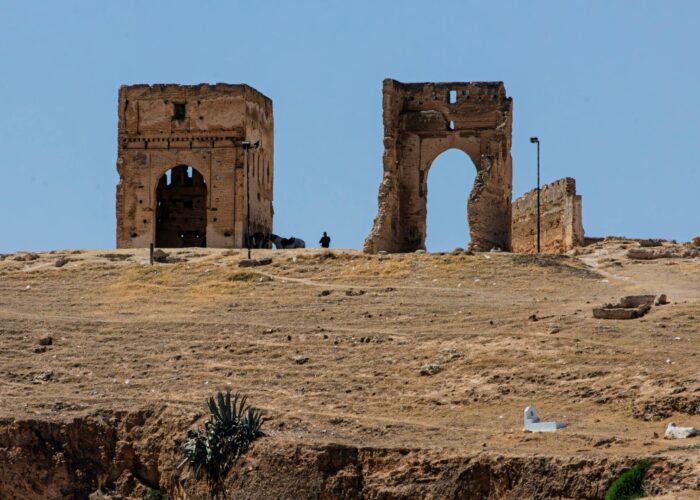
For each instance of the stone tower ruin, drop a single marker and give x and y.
(182, 165)
(422, 120)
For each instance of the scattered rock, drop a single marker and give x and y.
(46, 340)
(324, 293)
(650, 243)
(554, 330)
(61, 261)
(26, 257)
(160, 256)
(675, 432)
(695, 241)
(268, 331)
(354, 293)
(382, 252)
(420, 250)
(533, 317)
(42, 377)
(457, 251)
(300, 360)
(430, 369)
(262, 261)
(662, 300)
(39, 349)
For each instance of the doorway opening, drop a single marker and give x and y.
(181, 209)
(450, 181)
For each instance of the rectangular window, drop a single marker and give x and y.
(453, 96)
(179, 111)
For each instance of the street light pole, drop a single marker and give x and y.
(535, 140)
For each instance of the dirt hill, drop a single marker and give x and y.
(385, 376)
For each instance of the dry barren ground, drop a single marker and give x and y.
(331, 345)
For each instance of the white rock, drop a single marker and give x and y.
(675, 432)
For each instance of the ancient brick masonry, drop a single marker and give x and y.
(561, 226)
(422, 120)
(182, 167)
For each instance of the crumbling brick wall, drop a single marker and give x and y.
(422, 120)
(167, 127)
(561, 226)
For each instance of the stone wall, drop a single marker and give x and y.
(422, 120)
(561, 226)
(164, 127)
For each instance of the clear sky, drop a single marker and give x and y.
(611, 88)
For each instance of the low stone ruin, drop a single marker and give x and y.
(629, 307)
(532, 422)
(663, 252)
(560, 221)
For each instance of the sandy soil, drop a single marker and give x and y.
(129, 335)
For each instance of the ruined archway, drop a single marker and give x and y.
(181, 209)
(421, 120)
(449, 182)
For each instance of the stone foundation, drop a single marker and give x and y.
(561, 227)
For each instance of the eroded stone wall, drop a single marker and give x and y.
(422, 120)
(561, 226)
(165, 126)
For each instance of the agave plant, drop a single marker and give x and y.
(231, 427)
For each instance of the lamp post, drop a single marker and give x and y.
(535, 140)
(246, 147)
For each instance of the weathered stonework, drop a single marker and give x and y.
(197, 131)
(561, 227)
(422, 120)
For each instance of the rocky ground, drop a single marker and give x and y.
(384, 376)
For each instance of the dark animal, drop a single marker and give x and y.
(283, 243)
(259, 240)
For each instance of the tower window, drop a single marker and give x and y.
(179, 111)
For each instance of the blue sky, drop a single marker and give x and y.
(611, 89)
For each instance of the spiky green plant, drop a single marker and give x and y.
(228, 432)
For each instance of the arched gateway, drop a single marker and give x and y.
(421, 120)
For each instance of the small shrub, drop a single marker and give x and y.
(629, 484)
(228, 432)
(155, 494)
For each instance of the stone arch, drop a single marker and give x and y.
(181, 208)
(460, 175)
(422, 120)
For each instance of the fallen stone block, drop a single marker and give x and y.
(264, 261)
(662, 300)
(247, 263)
(675, 432)
(636, 300)
(610, 311)
(160, 256)
(532, 422)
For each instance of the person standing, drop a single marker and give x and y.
(325, 240)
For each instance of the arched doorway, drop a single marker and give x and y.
(450, 181)
(181, 209)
